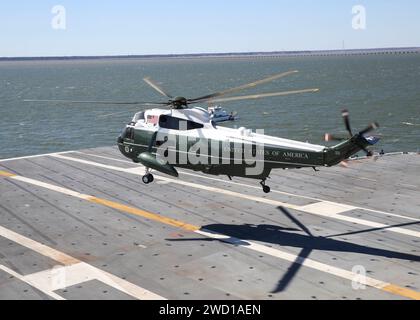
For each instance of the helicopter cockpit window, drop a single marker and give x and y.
(138, 116)
(173, 123)
(128, 133)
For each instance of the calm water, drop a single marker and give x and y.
(383, 88)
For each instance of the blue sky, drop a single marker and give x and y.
(185, 26)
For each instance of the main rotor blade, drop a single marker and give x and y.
(101, 102)
(112, 114)
(156, 87)
(243, 87)
(259, 96)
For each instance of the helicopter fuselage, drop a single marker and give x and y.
(167, 139)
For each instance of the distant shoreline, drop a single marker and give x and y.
(407, 50)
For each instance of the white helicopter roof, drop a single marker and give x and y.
(197, 115)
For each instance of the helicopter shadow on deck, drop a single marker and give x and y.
(307, 242)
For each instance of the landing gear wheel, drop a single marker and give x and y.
(266, 189)
(148, 178)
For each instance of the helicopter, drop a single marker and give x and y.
(174, 134)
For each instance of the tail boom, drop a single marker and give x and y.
(346, 149)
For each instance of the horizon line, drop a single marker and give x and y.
(215, 54)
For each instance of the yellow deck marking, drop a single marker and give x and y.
(144, 214)
(6, 174)
(342, 273)
(408, 293)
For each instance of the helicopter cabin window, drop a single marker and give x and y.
(173, 123)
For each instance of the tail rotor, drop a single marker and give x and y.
(356, 138)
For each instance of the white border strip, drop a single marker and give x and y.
(35, 156)
(31, 283)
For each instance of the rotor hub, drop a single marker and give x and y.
(179, 102)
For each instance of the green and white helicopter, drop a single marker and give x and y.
(175, 135)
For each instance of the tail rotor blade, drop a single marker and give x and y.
(329, 137)
(346, 117)
(371, 127)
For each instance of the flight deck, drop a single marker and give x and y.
(82, 225)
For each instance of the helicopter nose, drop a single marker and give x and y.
(125, 150)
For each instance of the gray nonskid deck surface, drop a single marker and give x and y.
(175, 263)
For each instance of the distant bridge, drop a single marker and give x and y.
(273, 54)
